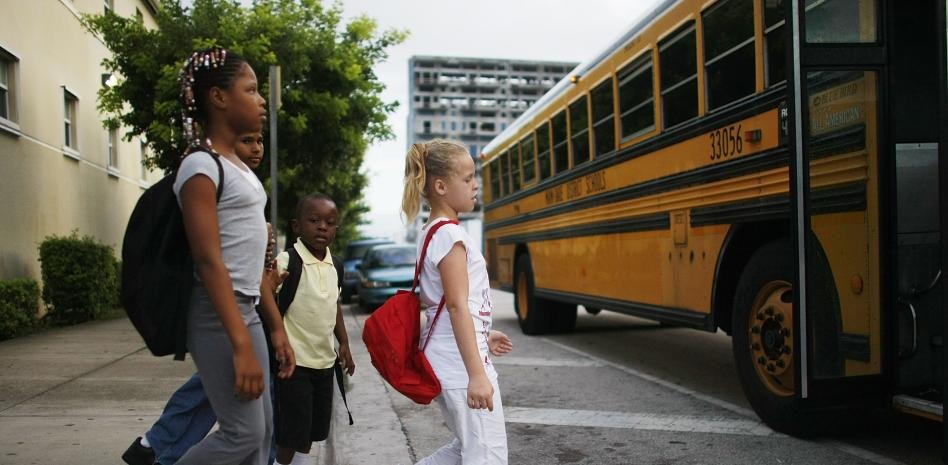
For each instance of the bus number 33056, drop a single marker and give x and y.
(726, 142)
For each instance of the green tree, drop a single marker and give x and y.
(331, 106)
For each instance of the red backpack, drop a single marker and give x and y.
(392, 332)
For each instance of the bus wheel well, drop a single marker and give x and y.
(740, 244)
(519, 250)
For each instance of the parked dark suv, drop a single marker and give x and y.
(354, 253)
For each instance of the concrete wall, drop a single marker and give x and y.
(45, 188)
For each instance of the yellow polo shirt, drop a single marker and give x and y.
(311, 318)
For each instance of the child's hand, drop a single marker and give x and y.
(498, 343)
(271, 244)
(248, 376)
(345, 356)
(480, 393)
(275, 278)
(284, 353)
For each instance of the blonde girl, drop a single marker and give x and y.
(442, 174)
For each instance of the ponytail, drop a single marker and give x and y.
(426, 160)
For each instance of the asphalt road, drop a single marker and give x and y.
(622, 390)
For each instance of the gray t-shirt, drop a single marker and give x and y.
(243, 227)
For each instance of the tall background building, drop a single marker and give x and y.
(472, 100)
(62, 170)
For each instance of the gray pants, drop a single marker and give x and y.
(244, 427)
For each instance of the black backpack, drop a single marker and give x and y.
(157, 268)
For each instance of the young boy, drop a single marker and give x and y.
(304, 400)
(188, 416)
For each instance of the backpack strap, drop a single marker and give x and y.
(418, 267)
(292, 282)
(220, 173)
(337, 368)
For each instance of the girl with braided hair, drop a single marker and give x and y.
(228, 236)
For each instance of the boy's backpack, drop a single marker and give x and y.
(392, 333)
(285, 298)
(292, 281)
(157, 269)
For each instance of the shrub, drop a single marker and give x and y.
(80, 278)
(19, 299)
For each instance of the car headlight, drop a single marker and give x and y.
(368, 283)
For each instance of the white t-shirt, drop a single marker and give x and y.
(442, 351)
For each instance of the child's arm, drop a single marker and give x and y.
(499, 343)
(453, 268)
(343, 337)
(199, 211)
(268, 308)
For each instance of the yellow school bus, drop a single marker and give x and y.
(743, 165)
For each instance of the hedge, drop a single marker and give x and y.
(19, 301)
(80, 278)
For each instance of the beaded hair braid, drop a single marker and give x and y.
(213, 67)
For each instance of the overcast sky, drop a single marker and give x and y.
(526, 29)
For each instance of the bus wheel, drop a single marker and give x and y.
(564, 315)
(762, 339)
(534, 317)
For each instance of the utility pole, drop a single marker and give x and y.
(272, 117)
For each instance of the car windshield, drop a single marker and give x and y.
(358, 250)
(401, 256)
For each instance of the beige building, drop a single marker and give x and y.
(60, 169)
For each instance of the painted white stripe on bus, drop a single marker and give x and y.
(545, 362)
(638, 421)
(847, 448)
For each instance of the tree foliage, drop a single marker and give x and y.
(331, 106)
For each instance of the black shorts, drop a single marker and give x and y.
(303, 407)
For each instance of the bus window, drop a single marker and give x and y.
(841, 21)
(679, 76)
(514, 168)
(543, 150)
(636, 99)
(579, 127)
(560, 145)
(504, 160)
(729, 51)
(775, 37)
(529, 159)
(604, 128)
(495, 180)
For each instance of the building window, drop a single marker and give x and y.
(729, 51)
(543, 151)
(604, 129)
(70, 102)
(679, 76)
(473, 151)
(560, 143)
(112, 142)
(529, 158)
(579, 129)
(8, 87)
(143, 155)
(775, 38)
(427, 127)
(636, 98)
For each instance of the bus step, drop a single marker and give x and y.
(919, 407)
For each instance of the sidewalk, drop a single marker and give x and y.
(79, 395)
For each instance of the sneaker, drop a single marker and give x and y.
(137, 454)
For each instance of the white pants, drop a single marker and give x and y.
(480, 437)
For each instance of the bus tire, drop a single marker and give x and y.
(533, 316)
(564, 315)
(762, 339)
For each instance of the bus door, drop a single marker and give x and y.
(869, 313)
(837, 89)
